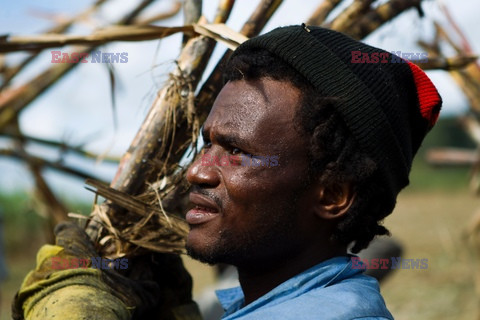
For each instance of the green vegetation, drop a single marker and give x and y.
(20, 221)
(425, 177)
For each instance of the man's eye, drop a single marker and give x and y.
(207, 144)
(235, 151)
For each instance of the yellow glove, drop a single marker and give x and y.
(90, 293)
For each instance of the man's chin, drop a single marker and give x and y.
(201, 256)
(209, 252)
(201, 247)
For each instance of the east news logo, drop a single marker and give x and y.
(96, 57)
(392, 263)
(59, 263)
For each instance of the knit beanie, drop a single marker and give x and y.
(387, 103)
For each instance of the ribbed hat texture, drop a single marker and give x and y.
(388, 107)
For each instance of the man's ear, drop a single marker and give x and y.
(333, 201)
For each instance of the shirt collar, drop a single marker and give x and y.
(323, 274)
(231, 299)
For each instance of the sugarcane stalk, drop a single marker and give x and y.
(62, 146)
(192, 11)
(473, 69)
(260, 17)
(321, 13)
(98, 37)
(64, 26)
(213, 84)
(10, 72)
(452, 157)
(136, 166)
(148, 151)
(55, 209)
(465, 44)
(161, 16)
(441, 34)
(347, 17)
(470, 88)
(12, 101)
(130, 17)
(139, 167)
(376, 17)
(15, 100)
(450, 63)
(468, 79)
(40, 162)
(223, 11)
(48, 204)
(254, 24)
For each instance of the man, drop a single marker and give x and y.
(342, 135)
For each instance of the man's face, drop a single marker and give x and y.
(245, 215)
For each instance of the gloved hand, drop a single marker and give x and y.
(89, 293)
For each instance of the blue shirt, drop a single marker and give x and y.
(329, 290)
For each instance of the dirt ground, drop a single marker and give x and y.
(433, 226)
(429, 225)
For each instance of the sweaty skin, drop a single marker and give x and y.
(267, 221)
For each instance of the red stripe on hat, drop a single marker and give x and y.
(428, 97)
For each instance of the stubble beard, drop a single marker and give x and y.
(271, 240)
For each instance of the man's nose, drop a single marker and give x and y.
(203, 173)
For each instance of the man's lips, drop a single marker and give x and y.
(205, 209)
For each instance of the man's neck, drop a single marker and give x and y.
(258, 281)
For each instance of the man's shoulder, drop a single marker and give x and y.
(353, 298)
(357, 297)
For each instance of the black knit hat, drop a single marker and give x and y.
(388, 105)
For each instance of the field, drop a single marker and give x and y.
(431, 225)
(430, 221)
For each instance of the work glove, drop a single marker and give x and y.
(149, 291)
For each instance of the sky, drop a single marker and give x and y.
(78, 108)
